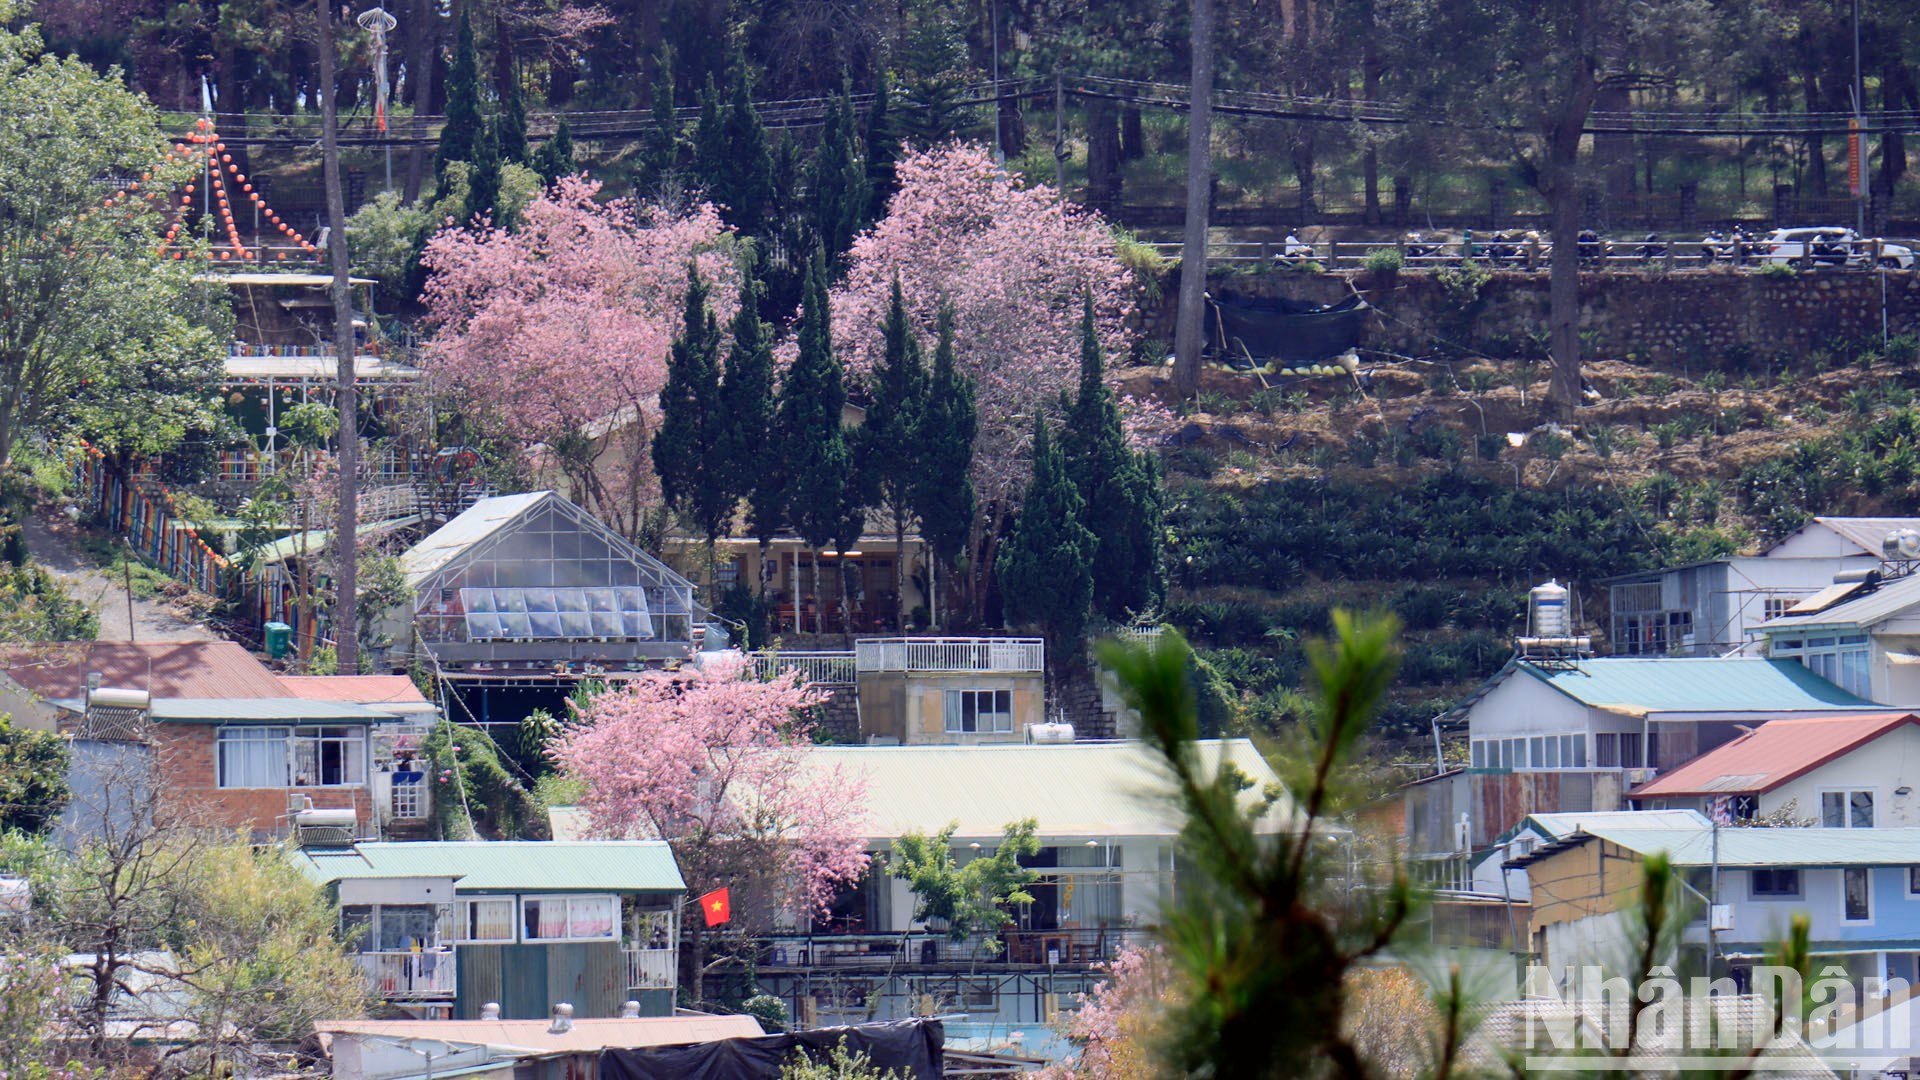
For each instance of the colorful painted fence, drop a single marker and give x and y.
(142, 512)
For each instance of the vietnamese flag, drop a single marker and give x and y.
(717, 907)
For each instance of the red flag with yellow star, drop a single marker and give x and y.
(717, 907)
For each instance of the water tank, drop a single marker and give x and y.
(342, 818)
(1547, 615)
(1050, 733)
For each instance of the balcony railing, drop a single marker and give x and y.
(652, 969)
(408, 975)
(815, 668)
(1010, 948)
(1003, 655)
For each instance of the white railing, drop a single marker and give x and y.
(652, 969)
(951, 654)
(407, 974)
(409, 800)
(815, 668)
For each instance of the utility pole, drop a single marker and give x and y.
(346, 620)
(999, 154)
(1856, 151)
(1188, 322)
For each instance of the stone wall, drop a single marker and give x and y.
(1688, 318)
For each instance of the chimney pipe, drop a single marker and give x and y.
(562, 1019)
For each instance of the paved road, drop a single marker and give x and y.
(56, 546)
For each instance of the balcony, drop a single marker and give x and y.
(1011, 948)
(409, 976)
(652, 969)
(815, 668)
(1008, 656)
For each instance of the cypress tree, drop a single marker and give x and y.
(883, 150)
(813, 447)
(943, 491)
(1119, 487)
(839, 180)
(483, 181)
(660, 154)
(554, 159)
(511, 127)
(465, 128)
(686, 449)
(1045, 570)
(890, 444)
(748, 186)
(748, 453)
(710, 164)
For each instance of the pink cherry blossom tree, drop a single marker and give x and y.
(1115, 1024)
(1014, 261)
(555, 334)
(708, 759)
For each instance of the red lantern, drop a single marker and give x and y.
(226, 157)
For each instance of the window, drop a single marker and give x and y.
(485, 920)
(1913, 880)
(569, 918)
(329, 756)
(277, 757)
(1846, 809)
(1479, 758)
(1840, 660)
(1606, 750)
(979, 711)
(1856, 894)
(1773, 884)
(253, 757)
(1776, 606)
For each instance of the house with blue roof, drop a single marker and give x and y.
(443, 928)
(1862, 633)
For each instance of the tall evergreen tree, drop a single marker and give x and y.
(883, 150)
(748, 189)
(710, 149)
(813, 447)
(660, 153)
(511, 126)
(943, 491)
(790, 231)
(890, 443)
(839, 180)
(686, 449)
(1045, 569)
(1120, 487)
(465, 127)
(748, 450)
(483, 181)
(554, 159)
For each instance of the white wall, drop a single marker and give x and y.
(1883, 766)
(1749, 578)
(1814, 540)
(1523, 705)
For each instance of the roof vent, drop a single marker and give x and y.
(562, 1019)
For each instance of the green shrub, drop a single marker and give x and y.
(771, 1011)
(1777, 270)
(1382, 260)
(1490, 445)
(1551, 444)
(1901, 349)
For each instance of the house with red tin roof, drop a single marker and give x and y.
(1840, 772)
(40, 682)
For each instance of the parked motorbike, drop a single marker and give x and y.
(1651, 248)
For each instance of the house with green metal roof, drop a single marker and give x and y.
(444, 928)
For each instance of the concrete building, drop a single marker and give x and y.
(1840, 772)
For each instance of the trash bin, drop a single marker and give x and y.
(279, 640)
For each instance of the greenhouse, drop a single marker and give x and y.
(534, 581)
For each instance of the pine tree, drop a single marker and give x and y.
(660, 154)
(748, 183)
(943, 491)
(890, 443)
(483, 182)
(813, 448)
(554, 159)
(883, 149)
(748, 451)
(465, 128)
(1045, 570)
(686, 449)
(1119, 486)
(710, 163)
(839, 180)
(510, 129)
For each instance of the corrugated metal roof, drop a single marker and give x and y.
(357, 689)
(596, 1033)
(474, 524)
(1876, 607)
(280, 709)
(1077, 790)
(175, 669)
(502, 865)
(1751, 847)
(1867, 532)
(1772, 754)
(1566, 824)
(1718, 684)
(313, 541)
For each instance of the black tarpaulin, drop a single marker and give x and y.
(911, 1046)
(1292, 331)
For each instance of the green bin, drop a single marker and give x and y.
(279, 640)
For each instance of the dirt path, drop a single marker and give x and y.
(56, 545)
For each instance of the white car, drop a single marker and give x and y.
(1832, 245)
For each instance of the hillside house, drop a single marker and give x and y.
(449, 927)
(1863, 634)
(1710, 608)
(1106, 866)
(1839, 772)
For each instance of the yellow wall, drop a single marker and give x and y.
(1594, 878)
(912, 708)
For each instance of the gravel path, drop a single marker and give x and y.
(56, 545)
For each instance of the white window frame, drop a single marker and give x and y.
(289, 739)
(258, 737)
(1913, 880)
(1844, 871)
(613, 924)
(463, 920)
(353, 741)
(1845, 660)
(1846, 807)
(951, 712)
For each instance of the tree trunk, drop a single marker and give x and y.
(346, 607)
(1133, 135)
(1104, 181)
(819, 609)
(1370, 160)
(1816, 146)
(1560, 182)
(900, 572)
(1896, 89)
(1613, 153)
(420, 65)
(697, 950)
(1188, 324)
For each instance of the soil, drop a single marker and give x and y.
(57, 545)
